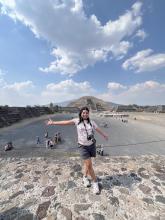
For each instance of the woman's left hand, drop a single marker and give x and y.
(106, 137)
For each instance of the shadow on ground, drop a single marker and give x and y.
(125, 180)
(17, 214)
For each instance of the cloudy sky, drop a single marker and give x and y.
(59, 50)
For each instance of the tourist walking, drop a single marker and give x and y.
(87, 143)
(46, 135)
(38, 140)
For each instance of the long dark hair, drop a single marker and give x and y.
(80, 112)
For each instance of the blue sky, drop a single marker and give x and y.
(59, 50)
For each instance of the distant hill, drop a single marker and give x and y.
(93, 103)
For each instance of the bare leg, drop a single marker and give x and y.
(89, 169)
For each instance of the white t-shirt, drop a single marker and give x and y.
(82, 134)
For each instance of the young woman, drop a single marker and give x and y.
(86, 141)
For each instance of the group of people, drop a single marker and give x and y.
(51, 142)
(124, 121)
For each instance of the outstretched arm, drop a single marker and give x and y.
(102, 133)
(66, 122)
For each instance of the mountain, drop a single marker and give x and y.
(93, 103)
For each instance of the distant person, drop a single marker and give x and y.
(59, 137)
(87, 143)
(9, 146)
(51, 144)
(47, 143)
(105, 125)
(46, 135)
(56, 138)
(100, 149)
(38, 140)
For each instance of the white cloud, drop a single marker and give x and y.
(78, 41)
(25, 93)
(121, 49)
(148, 85)
(67, 90)
(146, 93)
(78, 7)
(141, 34)
(115, 86)
(145, 61)
(17, 94)
(1, 73)
(19, 86)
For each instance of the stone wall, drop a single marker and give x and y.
(10, 115)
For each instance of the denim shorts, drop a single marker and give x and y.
(86, 152)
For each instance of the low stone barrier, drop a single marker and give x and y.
(10, 115)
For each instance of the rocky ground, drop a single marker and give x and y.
(51, 188)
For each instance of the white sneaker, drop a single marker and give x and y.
(96, 188)
(86, 181)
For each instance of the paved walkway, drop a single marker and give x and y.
(132, 138)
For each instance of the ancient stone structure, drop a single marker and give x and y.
(68, 109)
(97, 105)
(93, 103)
(10, 115)
(51, 189)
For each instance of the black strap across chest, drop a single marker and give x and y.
(86, 128)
